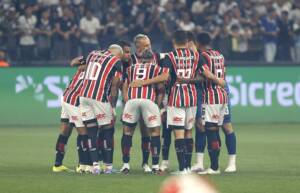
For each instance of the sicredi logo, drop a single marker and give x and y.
(258, 93)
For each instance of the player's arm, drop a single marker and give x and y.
(114, 93)
(78, 61)
(156, 80)
(163, 77)
(160, 90)
(204, 70)
(125, 91)
(219, 81)
(195, 80)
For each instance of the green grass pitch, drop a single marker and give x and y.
(268, 162)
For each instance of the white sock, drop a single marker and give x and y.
(232, 160)
(95, 163)
(108, 166)
(156, 167)
(165, 162)
(126, 165)
(200, 158)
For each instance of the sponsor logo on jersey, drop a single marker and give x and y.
(177, 119)
(127, 116)
(100, 116)
(74, 118)
(215, 117)
(152, 118)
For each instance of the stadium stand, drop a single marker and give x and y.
(57, 30)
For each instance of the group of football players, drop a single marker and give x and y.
(179, 90)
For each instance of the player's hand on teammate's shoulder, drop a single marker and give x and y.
(136, 83)
(180, 80)
(221, 82)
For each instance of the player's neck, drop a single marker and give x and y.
(204, 48)
(180, 47)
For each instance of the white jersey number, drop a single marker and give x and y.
(184, 73)
(93, 71)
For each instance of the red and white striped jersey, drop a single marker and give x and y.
(211, 92)
(183, 63)
(142, 71)
(102, 66)
(72, 92)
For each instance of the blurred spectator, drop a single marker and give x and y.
(239, 41)
(284, 37)
(296, 30)
(199, 6)
(44, 34)
(3, 59)
(225, 6)
(89, 27)
(8, 31)
(26, 25)
(186, 23)
(48, 2)
(226, 21)
(65, 28)
(270, 33)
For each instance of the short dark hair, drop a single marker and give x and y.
(180, 37)
(204, 38)
(190, 36)
(124, 43)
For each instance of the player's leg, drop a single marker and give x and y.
(61, 142)
(105, 121)
(230, 140)
(82, 138)
(100, 145)
(166, 143)
(145, 145)
(200, 135)
(91, 124)
(200, 140)
(176, 121)
(212, 133)
(213, 146)
(151, 115)
(189, 142)
(130, 117)
(82, 149)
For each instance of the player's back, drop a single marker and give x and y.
(101, 67)
(184, 64)
(142, 71)
(72, 92)
(215, 62)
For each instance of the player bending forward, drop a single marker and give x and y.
(70, 116)
(98, 101)
(141, 101)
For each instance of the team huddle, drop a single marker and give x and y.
(163, 92)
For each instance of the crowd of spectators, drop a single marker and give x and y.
(260, 30)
